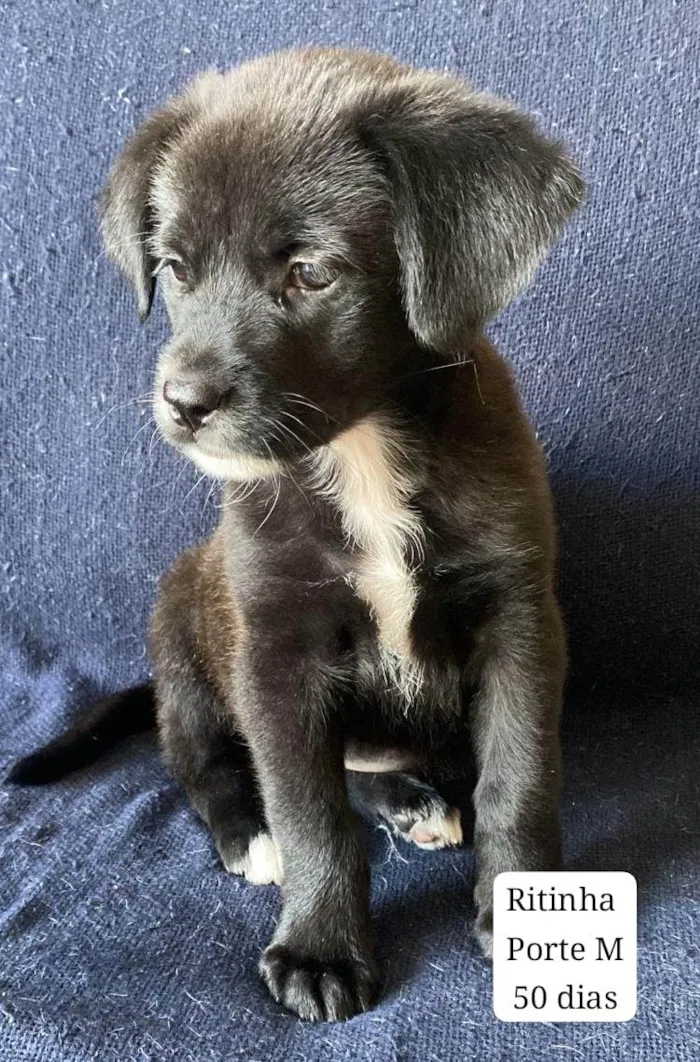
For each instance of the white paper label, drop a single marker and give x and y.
(565, 946)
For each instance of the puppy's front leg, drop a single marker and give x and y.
(319, 963)
(515, 728)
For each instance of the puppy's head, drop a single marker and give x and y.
(315, 219)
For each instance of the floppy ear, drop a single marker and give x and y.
(127, 218)
(478, 194)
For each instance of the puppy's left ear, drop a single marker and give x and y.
(478, 196)
(127, 216)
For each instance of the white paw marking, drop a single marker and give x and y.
(261, 865)
(439, 830)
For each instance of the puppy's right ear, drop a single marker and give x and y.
(127, 215)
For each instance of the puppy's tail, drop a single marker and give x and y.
(112, 719)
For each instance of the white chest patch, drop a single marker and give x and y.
(364, 471)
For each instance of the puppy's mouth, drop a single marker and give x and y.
(227, 450)
(232, 465)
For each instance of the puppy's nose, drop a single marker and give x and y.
(191, 402)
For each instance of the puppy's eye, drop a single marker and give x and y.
(178, 269)
(309, 276)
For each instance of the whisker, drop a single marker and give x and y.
(276, 437)
(272, 507)
(478, 385)
(154, 439)
(269, 448)
(193, 489)
(286, 413)
(271, 425)
(184, 466)
(234, 497)
(140, 399)
(245, 491)
(304, 401)
(274, 426)
(287, 470)
(293, 435)
(209, 494)
(134, 438)
(457, 364)
(303, 493)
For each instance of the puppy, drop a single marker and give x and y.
(330, 231)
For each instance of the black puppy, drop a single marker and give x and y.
(331, 231)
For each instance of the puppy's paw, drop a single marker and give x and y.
(257, 859)
(315, 989)
(430, 825)
(483, 931)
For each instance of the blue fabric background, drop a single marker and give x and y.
(122, 939)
